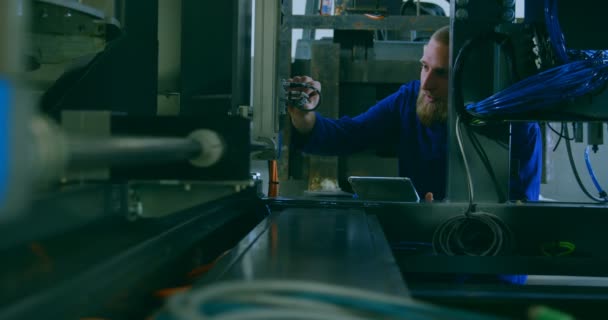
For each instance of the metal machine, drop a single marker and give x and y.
(127, 191)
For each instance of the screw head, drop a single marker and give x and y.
(462, 14)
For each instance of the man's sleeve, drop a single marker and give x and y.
(378, 125)
(526, 155)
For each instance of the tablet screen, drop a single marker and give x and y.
(384, 188)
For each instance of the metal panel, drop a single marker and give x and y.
(206, 55)
(583, 24)
(342, 247)
(477, 83)
(418, 222)
(123, 263)
(215, 56)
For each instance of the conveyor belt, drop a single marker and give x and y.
(336, 246)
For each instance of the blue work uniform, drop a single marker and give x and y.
(421, 150)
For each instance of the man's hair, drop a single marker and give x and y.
(442, 35)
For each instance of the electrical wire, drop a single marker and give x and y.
(474, 233)
(292, 299)
(575, 171)
(559, 134)
(507, 47)
(601, 192)
(466, 166)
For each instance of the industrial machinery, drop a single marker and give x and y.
(131, 130)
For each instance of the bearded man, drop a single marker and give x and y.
(415, 120)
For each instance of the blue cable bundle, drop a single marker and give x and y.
(548, 88)
(583, 72)
(555, 31)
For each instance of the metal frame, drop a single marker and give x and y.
(265, 76)
(360, 22)
(147, 256)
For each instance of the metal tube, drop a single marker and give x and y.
(124, 151)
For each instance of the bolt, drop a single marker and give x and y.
(462, 14)
(508, 15)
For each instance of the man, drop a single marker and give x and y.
(414, 119)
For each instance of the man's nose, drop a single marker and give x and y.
(427, 82)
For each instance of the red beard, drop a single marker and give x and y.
(431, 112)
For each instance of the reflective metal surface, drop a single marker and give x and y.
(337, 246)
(106, 267)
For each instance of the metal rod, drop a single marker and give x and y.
(124, 151)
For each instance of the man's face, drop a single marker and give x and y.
(434, 74)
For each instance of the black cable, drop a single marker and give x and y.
(478, 234)
(474, 233)
(561, 133)
(466, 167)
(505, 45)
(575, 171)
(52, 101)
(502, 144)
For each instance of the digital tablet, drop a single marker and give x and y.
(384, 188)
